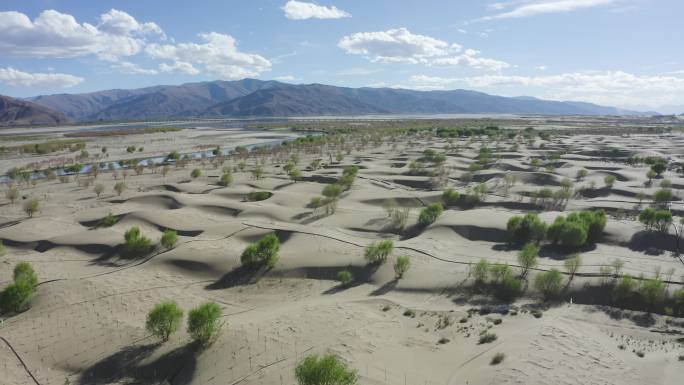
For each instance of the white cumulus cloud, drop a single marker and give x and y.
(300, 10)
(394, 45)
(401, 46)
(532, 8)
(53, 34)
(218, 55)
(16, 78)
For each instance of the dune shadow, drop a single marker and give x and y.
(386, 288)
(125, 365)
(239, 276)
(652, 242)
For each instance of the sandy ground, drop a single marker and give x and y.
(86, 323)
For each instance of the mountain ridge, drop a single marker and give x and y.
(17, 112)
(269, 98)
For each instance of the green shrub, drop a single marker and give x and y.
(164, 319)
(662, 196)
(529, 228)
(136, 244)
(325, 370)
(653, 291)
(497, 359)
(652, 219)
(509, 288)
(379, 251)
(659, 166)
(169, 239)
(409, 313)
(451, 197)
(487, 337)
(31, 206)
(256, 196)
(549, 283)
(345, 277)
(624, 289)
(609, 180)
(226, 179)
(481, 271)
(119, 187)
(109, 220)
(567, 233)
(203, 322)
(3, 249)
(263, 252)
(23, 271)
(429, 214)
(196, 173)
(16, 297)
(401, 266)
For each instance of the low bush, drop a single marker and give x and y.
(451, 197)
(164, 319)
(487, 337)
(497, 359)
(345, 277)
(401, 266)
(524, 229)
(204, 322)
(429, 214)
(135, 243)
(169, 239)
(324, 370)
(379, 251)
(16, 297)
(109, 220)
(263, 252)
(256, 196)
(549, 283)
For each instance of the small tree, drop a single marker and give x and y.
(549, 283)
(378, 252)
(624, 289)
(659, 166)
(481, 271)
(430, 213)
(527, 258)
(99, 189)
(662, 196)
(572, 264)
(164, 319)
(196, 173)
(401, 266)
(12, 194)
(119, 187)
(16, 297)
(263, 252)
(168, 239)
(31, 207)
(257, 172)
(204, 322)
(652, 292)
(325, 370)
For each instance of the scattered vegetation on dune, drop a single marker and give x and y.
(324, 370)
(263, 252)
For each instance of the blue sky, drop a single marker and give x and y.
(617, 52)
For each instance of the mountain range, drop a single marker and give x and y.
(258, 98)
(17, 112)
